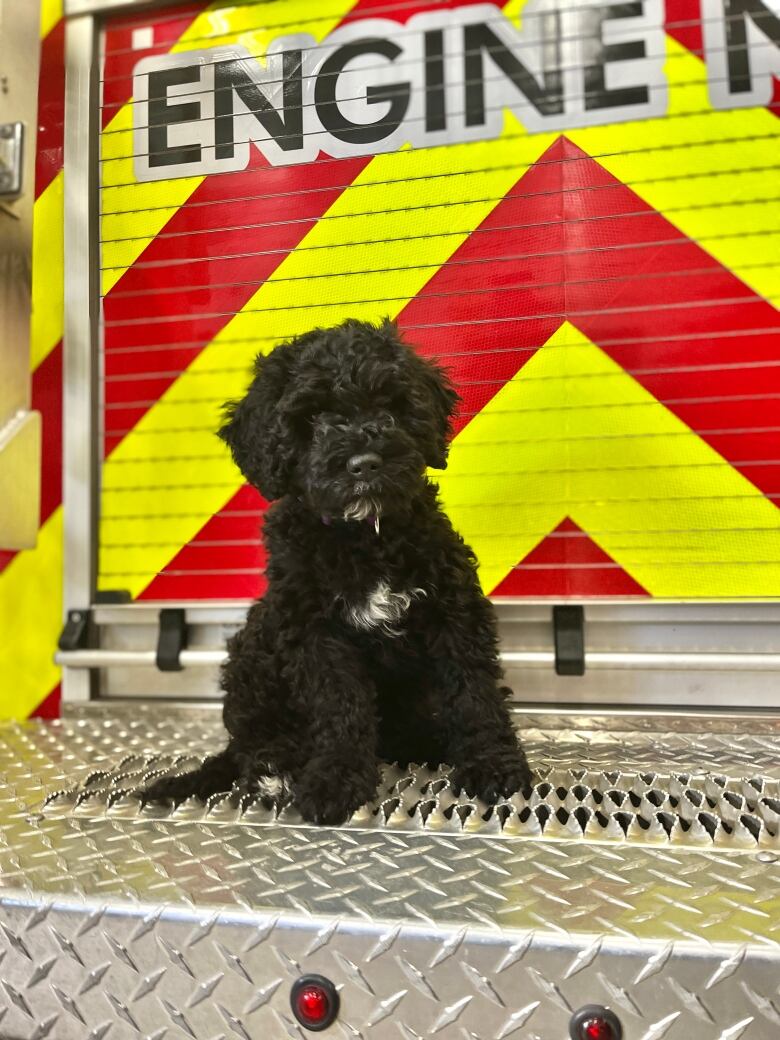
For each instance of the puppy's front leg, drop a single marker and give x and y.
(331, 689)
(480, 740)
(481, 743)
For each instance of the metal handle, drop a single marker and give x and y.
(134, 658)
(530, 658)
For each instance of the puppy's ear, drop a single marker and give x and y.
(443, 401)
(434, 397)
(254, 429)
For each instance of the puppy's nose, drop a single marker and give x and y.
(367, 465)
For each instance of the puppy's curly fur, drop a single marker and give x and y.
(373, 641)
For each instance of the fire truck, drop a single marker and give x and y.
(572, 205)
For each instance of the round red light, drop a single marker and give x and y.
(597, 1029)
(313, 1004)
(314, 1001)
(594, 1022)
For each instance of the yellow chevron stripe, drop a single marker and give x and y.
(47, 273)
(188, 407)
(575, 399)
(362, 213)
(154, 203)
(31, 598)
(51, 12)
(719, 180)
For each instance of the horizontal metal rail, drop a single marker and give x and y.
(666, 660)
(134, 658)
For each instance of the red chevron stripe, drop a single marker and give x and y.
(739, 397)
(143, 355)
(225, 560)
(47, 378)
(51, 108)
(683, 23)
(404, 10)
(46, 392)
(149, 313)
(581, 243)
(568, 564)
(562, 228)
(49, 708)
(47, 399)
(527, 224)
(583, 246)
(121, 54)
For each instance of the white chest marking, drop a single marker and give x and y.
(383, 609)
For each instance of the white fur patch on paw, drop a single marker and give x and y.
(275, 787)
(383, 609)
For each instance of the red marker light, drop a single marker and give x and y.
(314, 1001)
(594, 1022)
(597, 1029)
(313, 1004)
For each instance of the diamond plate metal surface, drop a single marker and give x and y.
(121, 924)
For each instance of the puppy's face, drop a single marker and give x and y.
(348, 419)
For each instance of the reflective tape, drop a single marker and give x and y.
(646, 502)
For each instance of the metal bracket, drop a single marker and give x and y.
(11, 150)
(172, 639)
(75, 634)
(108, 597)
(569, 631)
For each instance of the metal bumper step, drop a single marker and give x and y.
(644, 808)
(642, 873)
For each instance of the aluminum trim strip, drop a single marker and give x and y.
(531, 658)
(80, 441)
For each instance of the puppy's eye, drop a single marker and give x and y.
(330, 421)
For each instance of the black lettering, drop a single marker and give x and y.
(330, 114)
(547, 99)
(287, 130)
(596, 93)
(736, 13)
(435, 108)
(162, 115)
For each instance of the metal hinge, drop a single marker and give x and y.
(11, 149)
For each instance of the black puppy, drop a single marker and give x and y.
(373, 641)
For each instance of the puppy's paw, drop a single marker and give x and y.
(169, 789)
(272, 790)
(489, 776)
(329, 791)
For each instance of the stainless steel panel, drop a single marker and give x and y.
(80, 441)
(198, 924)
